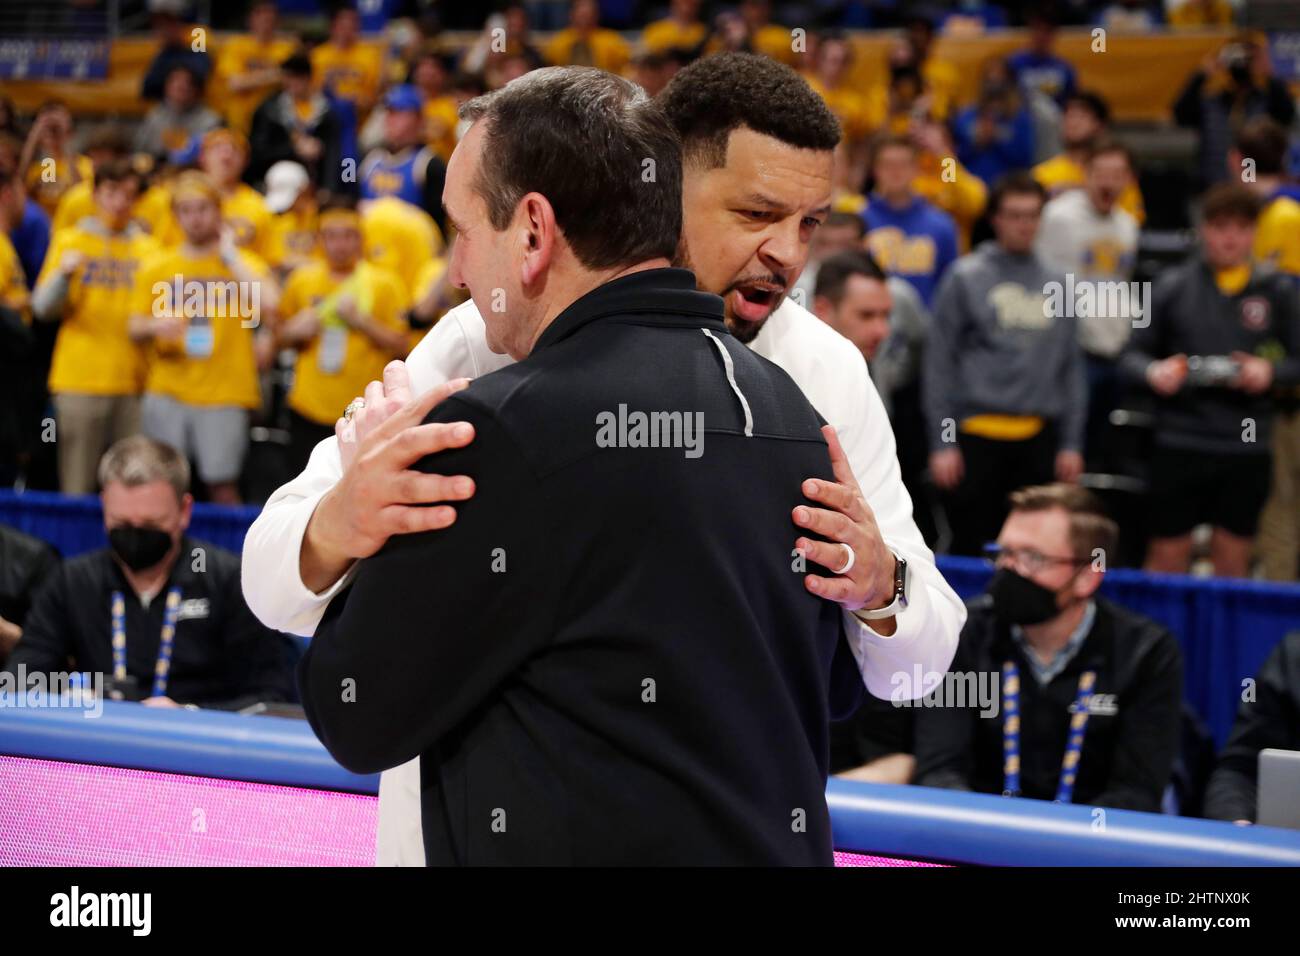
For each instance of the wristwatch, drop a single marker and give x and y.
(896, 606)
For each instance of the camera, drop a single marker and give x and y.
(1208, 371)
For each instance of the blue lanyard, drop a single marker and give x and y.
(162, 667)
(1011, 733)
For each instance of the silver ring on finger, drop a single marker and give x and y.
(848, 565)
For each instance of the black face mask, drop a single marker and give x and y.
(1019, 600)
(139, 548)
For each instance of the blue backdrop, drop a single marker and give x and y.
(1226, 628)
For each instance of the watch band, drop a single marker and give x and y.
(898, 604)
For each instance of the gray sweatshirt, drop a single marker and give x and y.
(994, 349)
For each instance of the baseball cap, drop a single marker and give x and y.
(404, 97)
(285, 180)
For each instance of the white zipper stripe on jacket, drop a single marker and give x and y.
(731, 378)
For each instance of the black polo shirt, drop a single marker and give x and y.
(222, 656)
(610, 657)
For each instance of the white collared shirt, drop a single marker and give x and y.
(827, 368)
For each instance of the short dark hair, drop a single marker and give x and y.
(297, 63)
(1015, 184)
(1091, 529)
(1105, 146)
(196, 78)
(337, 202)
(1264, 140)
(839, 218)
(583, 138)
(117, 170)
(889, 140)
(1231, 201)
(1094, 103)
(834, 273)
(719, 94)
(110, 137)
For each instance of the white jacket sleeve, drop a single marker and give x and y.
(897, 667)
(272, 581)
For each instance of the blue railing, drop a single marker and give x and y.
(1225, 628)
(912, 822)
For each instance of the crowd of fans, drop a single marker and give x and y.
(982, 256)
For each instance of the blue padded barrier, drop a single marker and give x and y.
(208, 743)
(1226, 628)
(912, 822)
(978, 828)
(75, 523)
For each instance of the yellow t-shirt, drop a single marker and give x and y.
(213, 363)
(153, 211)
(603, 49)
(849, 107)
(429, 274)
(47, 184)
(74, 205)
(440, 119)
(1277, 235)
(151, 208)
(1061, 173)
(93, 354)
(339, 362)
(399, 237)
(941, 80)
(1191, 14)
(776, 42)
(13, 282)
(244, 54)
(243, 209)
(963, 198)
(668, 34)
(292, 239)
(353, 74)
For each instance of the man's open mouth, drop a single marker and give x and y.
(753, 302)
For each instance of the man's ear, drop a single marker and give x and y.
(539, 234)
(1087, 583)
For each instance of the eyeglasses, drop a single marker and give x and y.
(1027, 558)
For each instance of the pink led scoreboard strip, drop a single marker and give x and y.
(55, 813)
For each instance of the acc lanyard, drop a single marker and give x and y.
(1011, 733)
(162, 667)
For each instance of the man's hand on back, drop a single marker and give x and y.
(379, 495)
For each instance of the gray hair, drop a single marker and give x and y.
(139, 460)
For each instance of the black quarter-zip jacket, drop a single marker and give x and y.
(610, 657)
(1132, 734)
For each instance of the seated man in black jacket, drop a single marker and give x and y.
(609, 657)
(25, 563)
(1090, 692)
(1267, 718)
(158, 614)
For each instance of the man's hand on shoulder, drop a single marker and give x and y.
(379, 495)
(855, 549)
